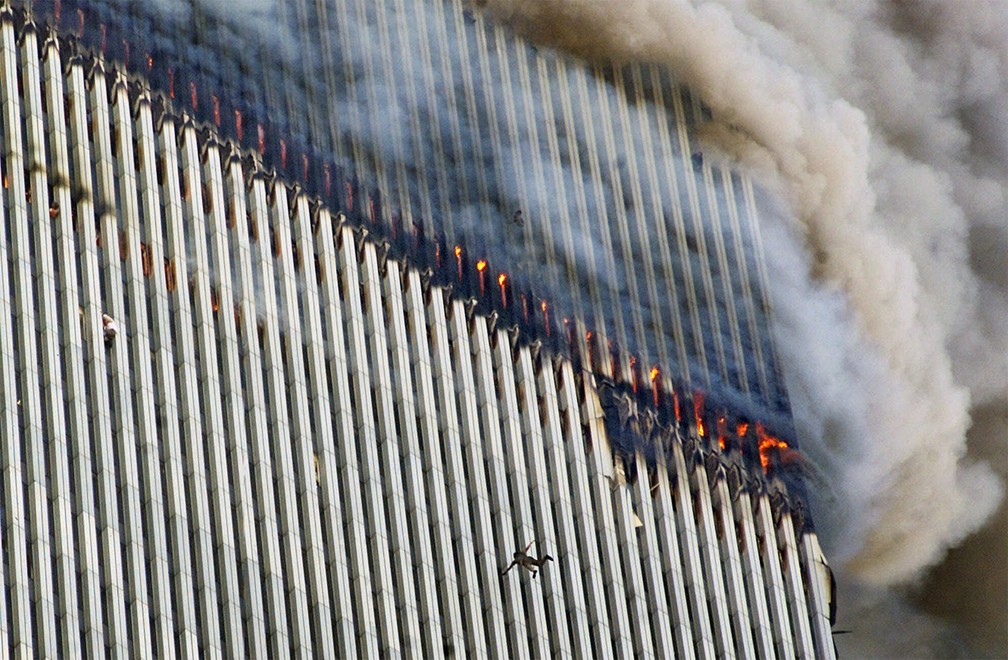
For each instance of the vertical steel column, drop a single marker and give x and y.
(367, 445)
(525, 526)
(776, 593)
(501, 509)
(704, 613)
(142, 382)
(72, 369)
(641, 497)
(345, 447)
(297, 446)
(211, 231)
(387, 457)
(731, 566)
(462, 534)
(819, 582)
(16, 524)
(113, 251)
(791, 566)
(101, 441)
(33, 440)
(478, 507)
(200, 530)
(574, 444)
(600, 467)
(176, 515)
(755, 582)
(711, 560)
(554, 466)
(436, 481)
(331, 500)
(692, 630)
(287, 495)
(625, 532)
(400, 337)
(213, 442)
(542, 505)
(244, 191)
(57, 469)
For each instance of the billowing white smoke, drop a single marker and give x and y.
(868, 122)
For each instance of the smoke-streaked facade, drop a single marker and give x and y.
(421, 117)
(322, 431)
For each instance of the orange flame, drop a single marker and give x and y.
(655, 385)
(501, 280)
(458, 251)
(742, 428)
(546, 322)
(480, 267)
(458, 260)
(767, 444)
(722, 431)
(654, 373)
(675, 405)
(698, 399)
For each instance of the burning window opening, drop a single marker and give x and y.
(698, 412)
(481, 267)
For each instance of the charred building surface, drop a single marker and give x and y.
(581, 184)
(326, 431)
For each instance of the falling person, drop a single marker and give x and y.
(523, 559)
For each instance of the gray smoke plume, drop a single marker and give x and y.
(880, 127)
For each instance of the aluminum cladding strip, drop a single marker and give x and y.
(345, 456)
(502, 511)
(424, 573)
(133, 346)
(262, 205)
(46, 281)
(388, 451)
(526, 527)
(72, 350)
(322, 439)
(212, 441)
(233, 400)
(383, 588)
(29, 401)
(299, 443)
(177, 516)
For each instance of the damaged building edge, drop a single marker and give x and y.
(346, 462)
(714, 333)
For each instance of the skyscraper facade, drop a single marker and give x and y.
(280, 376)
